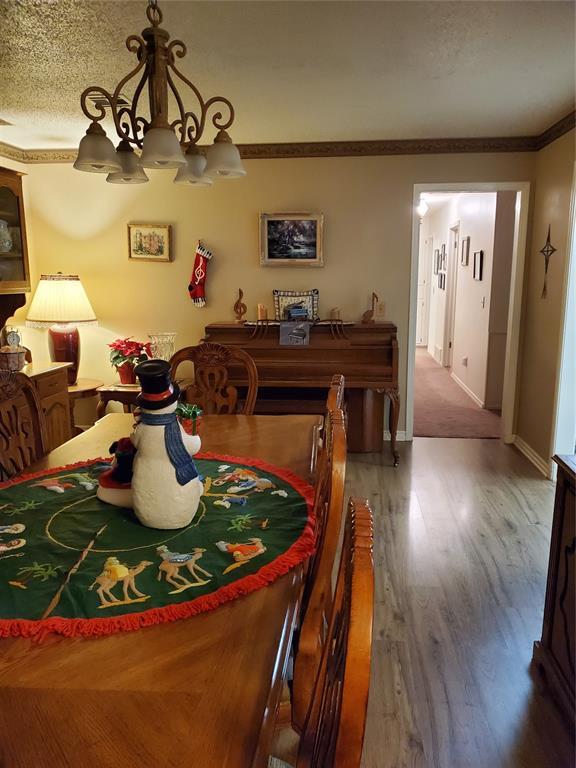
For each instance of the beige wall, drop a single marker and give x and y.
(476, 213)
(542, 317)
(499, 296)
(77, 223)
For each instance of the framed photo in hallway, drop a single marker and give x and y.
(443, 256)
(478, 264)
(465, 257)
(436, 261)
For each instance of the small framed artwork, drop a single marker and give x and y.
(296, 305)
(465, 251)
(291, 239)
(149, 242)
(436, 261)
(478, 264)
(443, 256)
(294, 334)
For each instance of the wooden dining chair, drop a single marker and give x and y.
(23, 437)
(334, 401)
(210, 387)
(318, 593)
(333, 732)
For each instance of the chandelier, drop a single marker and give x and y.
(163, 144)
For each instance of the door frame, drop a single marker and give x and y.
(426, 248)
(451, 283)
(515, 305)
(564, 419)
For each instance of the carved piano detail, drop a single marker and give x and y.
(296, 379)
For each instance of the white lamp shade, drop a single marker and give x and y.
(224, 158)
(131, 171)
(422, 208)
(193, 172)
(161, 149)
(60, 299)
(96, 153)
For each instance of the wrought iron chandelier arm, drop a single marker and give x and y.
(181, 121)
(218, 120)
(97, 112)
(177, 49)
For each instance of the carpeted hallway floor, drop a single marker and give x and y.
(442, 408)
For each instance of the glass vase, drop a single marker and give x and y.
(162, 344)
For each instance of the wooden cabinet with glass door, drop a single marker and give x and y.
(14, 270)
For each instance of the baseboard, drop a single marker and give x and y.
(400, 436)
(534, 458)
(467, 390)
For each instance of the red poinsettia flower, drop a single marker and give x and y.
(129, 351)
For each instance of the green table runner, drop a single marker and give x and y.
(73, 565)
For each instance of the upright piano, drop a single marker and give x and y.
(295, 379)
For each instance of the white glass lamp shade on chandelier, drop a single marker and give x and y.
(165, 142)
(131, 171)
(194, 171)
(224, 158)
(96, 153)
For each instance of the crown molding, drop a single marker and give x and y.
(345, 148)
(37, 155)
(386, 147)
(565, 124)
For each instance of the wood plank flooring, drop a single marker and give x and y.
(462, 533)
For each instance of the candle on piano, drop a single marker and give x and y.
(335, 313)
(262, 312)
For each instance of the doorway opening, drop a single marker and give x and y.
(468, 260)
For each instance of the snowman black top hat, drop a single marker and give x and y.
(158, 390)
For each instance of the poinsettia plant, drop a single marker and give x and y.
(129, 351)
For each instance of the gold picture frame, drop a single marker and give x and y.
(291, 239)
(149, 242)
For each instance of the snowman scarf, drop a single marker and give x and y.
(177, 453)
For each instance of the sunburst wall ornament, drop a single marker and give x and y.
(164, 143)
(547, 251)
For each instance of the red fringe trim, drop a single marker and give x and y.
(300, 550)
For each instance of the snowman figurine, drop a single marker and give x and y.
(166, 488)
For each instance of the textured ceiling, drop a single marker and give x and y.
(302, 71)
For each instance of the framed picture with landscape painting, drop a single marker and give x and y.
(149, 242)
(291, 239)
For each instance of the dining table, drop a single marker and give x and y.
(200, 692)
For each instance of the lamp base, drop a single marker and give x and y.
(64, 345)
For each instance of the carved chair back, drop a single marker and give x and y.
(335, 398)
(22, 426)
(210, 387)
(333, 733)
(317, 598)
(334, 401)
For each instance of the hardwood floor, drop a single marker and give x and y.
(461, 549)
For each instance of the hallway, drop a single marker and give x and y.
(442, 408)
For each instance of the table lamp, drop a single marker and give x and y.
(60, 303)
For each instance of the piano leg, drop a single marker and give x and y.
(365, 409)
(394, 398)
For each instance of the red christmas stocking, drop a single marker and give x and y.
(197, 281)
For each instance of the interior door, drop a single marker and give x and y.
(451, 277)
(423, 311)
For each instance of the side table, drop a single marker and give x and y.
(82, 389)
(121, 393)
